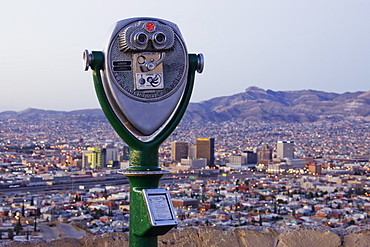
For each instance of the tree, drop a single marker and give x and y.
(260, 221)
(310, 195)
(98, 213)
(262, 197)
(23, 211)
(35, 225)
(206, 222)
(105, 193)
(10, 234)
(18, 227)
(351, 222)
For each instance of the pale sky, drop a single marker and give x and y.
(272, 44)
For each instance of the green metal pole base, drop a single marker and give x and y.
(141, 231)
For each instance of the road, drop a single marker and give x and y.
(70, 232)
(60, 230)
(49, 233)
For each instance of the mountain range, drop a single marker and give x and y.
(255, 104)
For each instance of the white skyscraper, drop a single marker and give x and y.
(285, 149)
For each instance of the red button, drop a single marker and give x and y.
(150, 26)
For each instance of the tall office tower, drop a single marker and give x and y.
(91, 158)
(205, 149)
(264, 154)
(285, 149)
(109, 155)
(96, 157)
(179, 150)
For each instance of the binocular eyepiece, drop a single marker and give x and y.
(150, 36)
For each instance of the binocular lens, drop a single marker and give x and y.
(159, 38)
(141, 38)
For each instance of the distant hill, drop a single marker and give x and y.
(255, 104)
(39, 113)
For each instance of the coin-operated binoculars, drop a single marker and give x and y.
(144, 79)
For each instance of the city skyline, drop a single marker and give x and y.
(285, 45)
(58, 170)
(323, 183)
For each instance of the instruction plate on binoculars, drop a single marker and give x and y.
(146, 79)
(159, 204)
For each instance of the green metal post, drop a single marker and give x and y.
(143, 172)
(139, 220)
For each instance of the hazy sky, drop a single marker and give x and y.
(272, 44)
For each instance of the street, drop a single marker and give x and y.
(60, 230)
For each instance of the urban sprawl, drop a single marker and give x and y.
(59, 173)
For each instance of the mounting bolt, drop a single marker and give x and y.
(87, 59)
(200, 66)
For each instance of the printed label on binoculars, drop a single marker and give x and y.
(148, 70)
(145, 81)
(119, 66)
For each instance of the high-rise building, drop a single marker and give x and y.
(264, 154)
(91, 158)
(97, 158)
(179, 150)
(285, 149)
(205, 148)
(109, 155)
